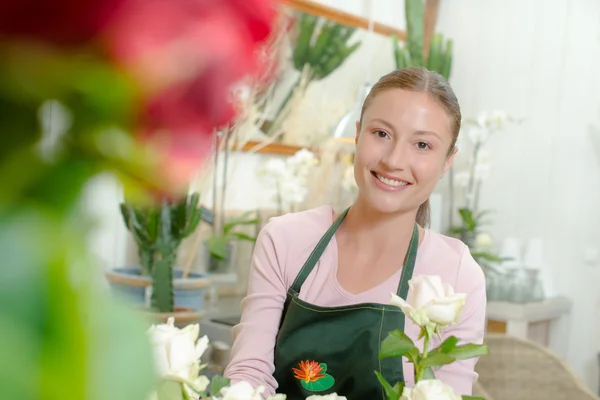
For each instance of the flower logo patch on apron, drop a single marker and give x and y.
(313, 376)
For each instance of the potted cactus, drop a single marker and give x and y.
(158, 231)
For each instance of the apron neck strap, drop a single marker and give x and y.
(407, 270)
(317, 252)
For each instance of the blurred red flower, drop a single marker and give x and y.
(186, 55)
(64, 22)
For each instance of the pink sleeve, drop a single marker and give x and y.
(254, 338)
(470, 279)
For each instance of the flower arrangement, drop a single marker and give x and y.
(289, 178)
(470, 181)
(432, 305)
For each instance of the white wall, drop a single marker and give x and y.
(539, 60)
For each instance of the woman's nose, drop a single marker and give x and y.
(396, 158)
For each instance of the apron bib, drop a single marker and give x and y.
(322, 350)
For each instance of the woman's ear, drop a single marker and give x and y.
(449, 161)
(357, 132)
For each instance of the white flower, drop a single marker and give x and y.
(177, 353)
(461, 179)
(275, 168)
(482, 119)
(241, 391)
(332, 396)
(430, 389)
(430, 301)
(482, 172)
(479, 134)
(483, 241)
(498, 120)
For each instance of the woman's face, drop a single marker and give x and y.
(401, 150)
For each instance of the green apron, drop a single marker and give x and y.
(322, 350)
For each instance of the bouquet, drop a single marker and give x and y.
(431, 304)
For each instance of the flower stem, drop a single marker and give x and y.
(419, 370)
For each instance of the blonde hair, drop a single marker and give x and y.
(419, 79)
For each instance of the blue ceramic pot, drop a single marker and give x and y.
(129, 284)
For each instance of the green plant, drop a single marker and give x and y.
(412, 54)
(218, 243)
(321, 47)
(158, 231)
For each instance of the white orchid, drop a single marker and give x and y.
(290, 176)
(177, 354)
(462, 179)
(431, 303)
(478, 134)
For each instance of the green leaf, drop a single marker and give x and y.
(218, 246)
(396, 344)
(413, 355)
(437, 360)
(243, 236)
(243, 219)
(399, 388)
(467, 217)
(323, 367)
(448, 344)
(217, 383)
(319, 385)
(428, 374)
(390, 391)
(472, 398)
(486, 256)
(470, 350)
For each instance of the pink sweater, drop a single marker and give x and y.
(281, 249)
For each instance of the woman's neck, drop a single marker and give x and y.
(363, 224)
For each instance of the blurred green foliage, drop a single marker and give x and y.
(62, 338)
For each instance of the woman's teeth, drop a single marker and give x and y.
(390, 182)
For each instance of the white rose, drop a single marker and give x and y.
(177, 353)
(430, 389)
(332, 396)
(241, 391)
(430, 301)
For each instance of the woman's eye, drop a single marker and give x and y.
(381, 134)
(423, 145)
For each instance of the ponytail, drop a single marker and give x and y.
(424, 214)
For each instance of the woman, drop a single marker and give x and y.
(319, 283)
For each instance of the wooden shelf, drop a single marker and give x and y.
(272, 148)
(342, 17)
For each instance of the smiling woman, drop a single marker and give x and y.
(412, 118)
(316, 314)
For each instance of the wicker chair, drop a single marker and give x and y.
(518, 369)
